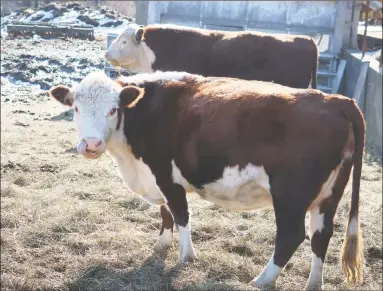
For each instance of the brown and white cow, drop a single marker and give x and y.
(242, 145)
(290, 60)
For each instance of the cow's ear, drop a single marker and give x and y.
(138, 34)
(62, 94)
(130, 95)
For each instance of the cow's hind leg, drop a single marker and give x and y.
(321, 224)
(166, 234)
(290, 220)
(321, 230)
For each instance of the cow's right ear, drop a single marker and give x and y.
(130, 95)
(138, 34)
(62, 94)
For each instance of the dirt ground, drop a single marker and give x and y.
(69, 224)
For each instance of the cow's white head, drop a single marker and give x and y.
(129, 51)
(96, 102)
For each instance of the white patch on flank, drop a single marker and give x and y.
(179, 179)
(268, 276)
(164, 241)
(240, 189)
(245, 189)
(315, 279)
(353, 227)
(316, 221)
(347, 155)
(157, 76)
(326, 189)
(187, 249)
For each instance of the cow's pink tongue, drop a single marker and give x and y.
(81, 147)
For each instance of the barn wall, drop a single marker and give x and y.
(327, 21)
(371, 101)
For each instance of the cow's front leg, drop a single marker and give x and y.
(166, 234)
(177, 203)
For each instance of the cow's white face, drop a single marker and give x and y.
(130, 52)
(95, 102)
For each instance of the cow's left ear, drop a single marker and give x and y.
(130, 95)
(138, 34)
(62, 94)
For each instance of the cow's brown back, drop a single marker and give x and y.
(284, 59)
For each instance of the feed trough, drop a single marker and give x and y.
(54, 30)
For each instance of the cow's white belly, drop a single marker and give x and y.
(238, 189)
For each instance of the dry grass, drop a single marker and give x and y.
(68, 223)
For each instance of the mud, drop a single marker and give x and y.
(29, 65)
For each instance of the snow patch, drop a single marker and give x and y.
(69, 17)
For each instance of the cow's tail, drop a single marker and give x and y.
(314, 71)
(352, 249)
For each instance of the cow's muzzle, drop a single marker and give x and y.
(91, 147)
(110, 59)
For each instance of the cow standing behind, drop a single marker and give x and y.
(290, 60)
(243, 145)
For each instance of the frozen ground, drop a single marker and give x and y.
(47, 62)
(103, 19)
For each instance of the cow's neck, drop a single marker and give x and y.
(121, 153)
(147, 59)
(117, 145)
(134, 172)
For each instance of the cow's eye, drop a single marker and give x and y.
(76, 109)
(124, 42)
(112, 112)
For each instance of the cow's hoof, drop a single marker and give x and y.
(165, 241)
(161, 247)
(190, 256)
(262, 285)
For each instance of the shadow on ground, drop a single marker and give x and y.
(151, 275)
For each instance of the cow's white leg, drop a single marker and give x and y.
(165, 240)
(315, 279)
(187, 252)
(290, 221)
(316, 227)
(268, 276)
(166, 234)
(176, 198)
